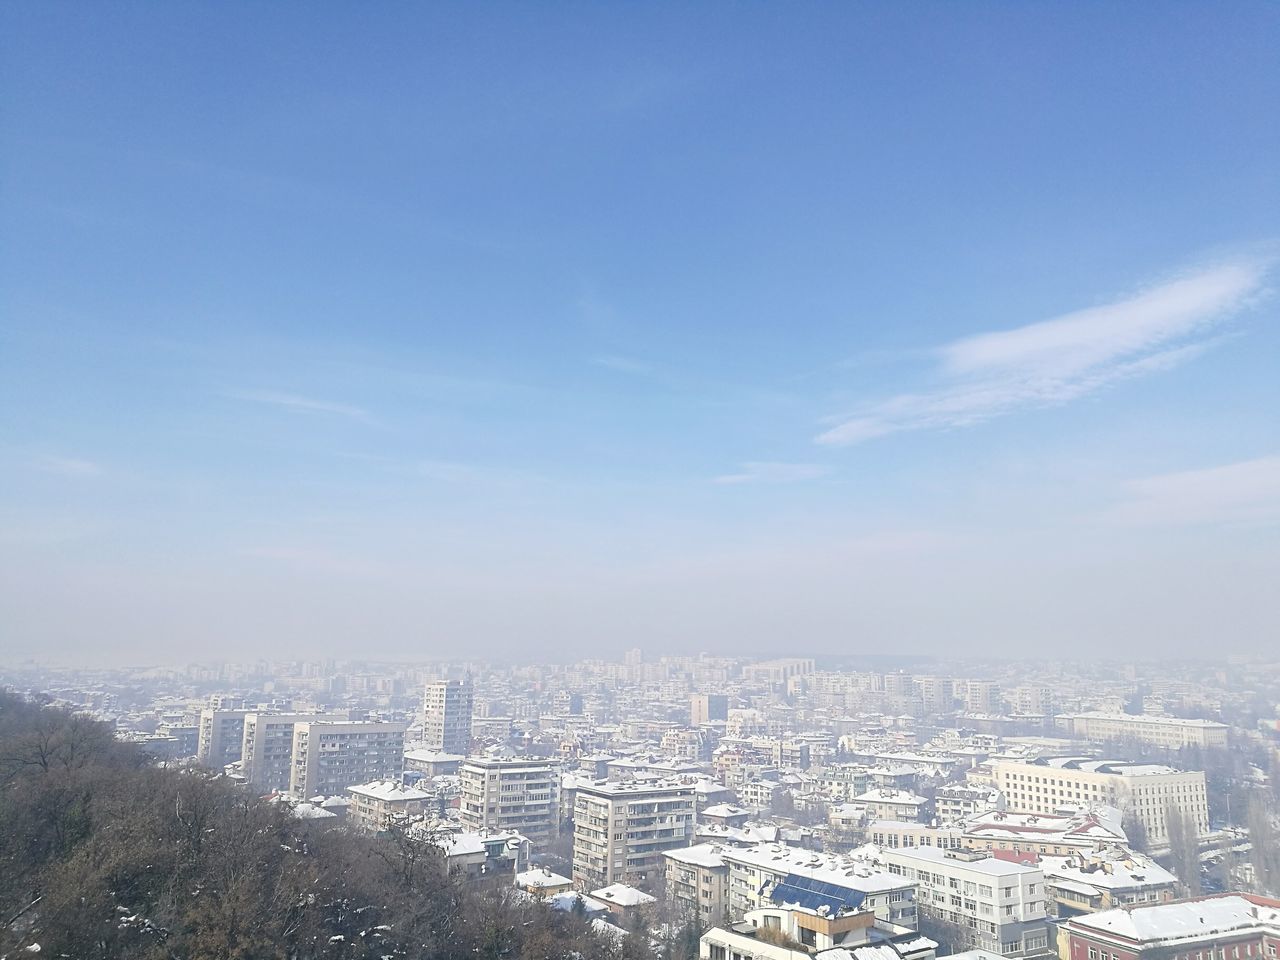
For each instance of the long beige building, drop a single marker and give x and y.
(622, 829)
(1145, 791)
(1171, 732)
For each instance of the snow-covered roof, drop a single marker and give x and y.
(699, 855)
(623, 895)
(392, 791)
(541, 878)
(1187, 919)
(844, 871)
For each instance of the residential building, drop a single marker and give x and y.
(381, 803)
(447, 707)
(823, 926)
(542, 882)
(331, 755)
(894, 805)
(767, 874)
(625, 902)
(696, 882)
(486, 854)
(1231, 926)
(518, 793)
(706, 707)
(221, 737)
(959, 801)
(1173, 733)
(621, 829)
(893, 834)
(432, 763)
(1146, 791)
(1045, 833)
(1116, 877)
(999, 904)
(267, 749)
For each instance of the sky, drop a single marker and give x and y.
(543, 331)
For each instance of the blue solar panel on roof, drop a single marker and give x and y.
(811, 893)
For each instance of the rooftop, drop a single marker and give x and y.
(1196, 919)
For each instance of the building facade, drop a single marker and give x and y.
(520, 794)
(221, 737)
(331, 755)
(1173, 733)
(447, 707)
(622, 829)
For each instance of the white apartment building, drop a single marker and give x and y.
(1173, 733)
(267, 748)
(447, 707)
(1000, 904)
(621, 829)
(765, 874)
(331, 755)
(893, 805)
(1147, 791)
(520, 794)
(958, 801)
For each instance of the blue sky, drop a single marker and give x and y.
(421, 330)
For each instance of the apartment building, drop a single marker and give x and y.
(519, 794)
(331, 755)
(958, 801)
(621, 829)
(1116, 877)
(697, 879)
(447, 707)
(1147, 791)
(380, 803)
(1000, 904)
(767, 874)
(1173, 733)
(894, 805)
(221, 737)
(267, 748)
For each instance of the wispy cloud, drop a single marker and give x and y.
(1055, 361)
(623, 364)
(299, 404)
(67, 466)
(767, 471)
(1245, 493)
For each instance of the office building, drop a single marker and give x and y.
(1173, 733)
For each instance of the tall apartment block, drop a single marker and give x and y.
(621, 829)
(705, 707)
(447, 705)
(511, 794)
(331, 755)
(221, 737)
(267, 749)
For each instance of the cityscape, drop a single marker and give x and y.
(724, 807)
(703, 480)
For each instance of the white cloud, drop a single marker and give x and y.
(1055, 361)
(1247, 492)
(68, 466)
(291, 401)
(762, 471)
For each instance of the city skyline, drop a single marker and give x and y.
(848, 330)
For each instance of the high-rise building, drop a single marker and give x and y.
(221, 737)
(705, 707)
(267, 748)
(331, 755)
(448, 706)
(621, 829)
(520, 794)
